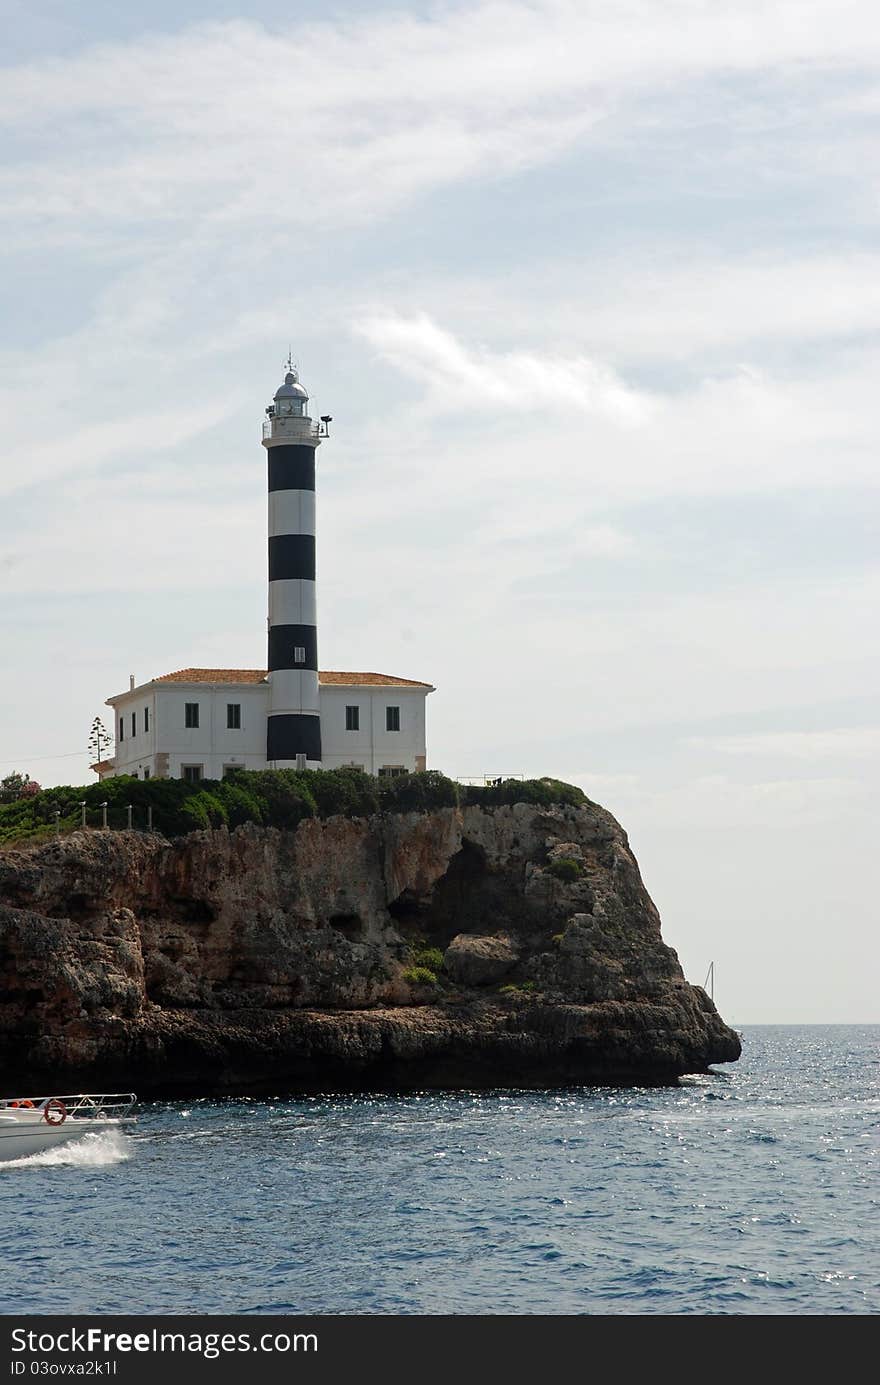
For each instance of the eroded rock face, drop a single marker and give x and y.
(473, 960)
(263, 960)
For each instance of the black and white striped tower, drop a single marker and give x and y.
(294, 730)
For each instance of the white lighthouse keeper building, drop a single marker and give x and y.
(201, 723)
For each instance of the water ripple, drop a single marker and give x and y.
(751, 1191)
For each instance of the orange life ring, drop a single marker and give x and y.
(55, 1104)
(26, 1102)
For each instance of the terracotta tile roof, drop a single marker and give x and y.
(103, 765)
(375, 680)
(213, 675)
(258, 675)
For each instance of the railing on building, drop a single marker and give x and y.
(485, 780)
(293, 427)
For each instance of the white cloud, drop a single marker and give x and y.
(672, 305)
(744, 430)
(158, 542)
(513, 381)
(31, 458)
(845, 742)
(328, 120)
(714, 802)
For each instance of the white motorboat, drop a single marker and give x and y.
(30, 1124)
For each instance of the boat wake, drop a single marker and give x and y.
(96, 1151)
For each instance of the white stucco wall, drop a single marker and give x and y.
(135, 752)
(169, 745)
(211, 744)
(372, 746)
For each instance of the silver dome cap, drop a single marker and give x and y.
(291, 389)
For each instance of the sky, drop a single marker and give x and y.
(592, 293)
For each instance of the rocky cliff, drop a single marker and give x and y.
(260, 960)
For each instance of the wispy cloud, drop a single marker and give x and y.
(234, 121)
(845, 742)
(517, 381)
(674, 304)
(715, 802)
(743, 430)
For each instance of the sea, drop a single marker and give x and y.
(751, 1190)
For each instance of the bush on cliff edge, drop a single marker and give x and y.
(273, 798)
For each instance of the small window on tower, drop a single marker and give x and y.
(146, 718)
(191, 714)
(299, 654)
(392, 718)
(122, 728)
(352, 718)
(134, 723)
(233, 716)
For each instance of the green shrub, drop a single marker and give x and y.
(541, 792)
(565, 868)
(275, 798)
(417, 793)
(195, 816)
(205, 809)
(420, 976)
(285, 792)
(430, 957)
(344, 792)
(241, 806)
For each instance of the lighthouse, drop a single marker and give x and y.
(206, 723)
(291, 438)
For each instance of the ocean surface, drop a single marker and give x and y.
(753, 1190)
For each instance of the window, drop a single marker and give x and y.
(391, 771)
(233, 716)
(392, 718)
(146, 719)
(229, 769)
(134, 723)
(191, 773)
(146, 774)
(299, 654)
(191, 714)
(122, 728)
(352, 718)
